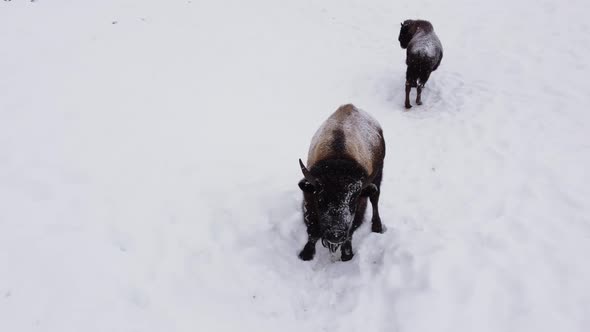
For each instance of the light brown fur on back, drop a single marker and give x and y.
(349, 133)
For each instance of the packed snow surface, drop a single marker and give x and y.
(148, 166)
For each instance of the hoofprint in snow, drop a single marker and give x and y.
(149, 168)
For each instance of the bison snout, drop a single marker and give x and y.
(336, 236)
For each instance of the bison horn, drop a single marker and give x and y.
(307, 174)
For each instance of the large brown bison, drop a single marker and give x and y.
(344, 168)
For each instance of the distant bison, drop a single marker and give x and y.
(423, 56)
(344, 167)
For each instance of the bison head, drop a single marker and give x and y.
(405, 33)
(335, 197)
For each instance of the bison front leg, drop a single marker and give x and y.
(346, 251)
(313, 234)
(346, 248)
(308, 251)
(376, 225)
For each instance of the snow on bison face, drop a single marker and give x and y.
(335, 200)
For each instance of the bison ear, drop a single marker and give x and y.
(401, 24)
(369, 190)
(306, 186)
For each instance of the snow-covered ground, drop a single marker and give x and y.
(148, 166)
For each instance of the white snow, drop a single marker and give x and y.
(148, 166)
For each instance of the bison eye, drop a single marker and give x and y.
(305, 186)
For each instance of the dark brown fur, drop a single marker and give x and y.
(338, 178)
(423, 56)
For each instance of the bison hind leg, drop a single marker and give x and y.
(419, 95)
(424, 76)
(408, 89)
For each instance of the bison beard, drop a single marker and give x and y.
(331, 246)
(334, 206)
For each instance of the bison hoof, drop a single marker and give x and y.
(408, 106)
(346, 252)
(346, 256)
(418, 102)
(306, 255)
(377, 228)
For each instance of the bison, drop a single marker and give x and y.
(423, 56)
(344, 168)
